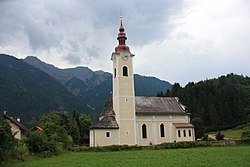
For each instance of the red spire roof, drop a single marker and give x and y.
(122, 40)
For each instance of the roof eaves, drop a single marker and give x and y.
(161, 113)
(102, 127)
(21, 126)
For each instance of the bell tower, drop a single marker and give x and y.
(123, 90)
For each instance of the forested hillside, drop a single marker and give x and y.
(220, 103)
(27, 92)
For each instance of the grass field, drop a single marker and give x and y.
(210, 156)
(232, 133)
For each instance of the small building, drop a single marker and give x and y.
(37, 128)
(135, 120)
(18, 129)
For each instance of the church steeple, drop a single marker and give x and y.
(122, 39)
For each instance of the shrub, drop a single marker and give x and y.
(205, 137)
(243, 142)
(176, 145)
(245, 135)
(219, 136)
(7, 141)
(20, 151)
(38, 143)
(114, 148)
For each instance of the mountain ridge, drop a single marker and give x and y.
(89, 85)
(28, 92)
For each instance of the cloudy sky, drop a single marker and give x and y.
(174, 40)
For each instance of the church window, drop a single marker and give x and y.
(179, 133)
(114, 72)
(107, 134)
(189, 132)
(162, 130)
(125, 71)
(126, 99)
(184, 133)
(144, 131)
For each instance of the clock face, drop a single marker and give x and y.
(124, 56)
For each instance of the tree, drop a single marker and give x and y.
(84, 125)
(54, 137)
(74, 131)
(176, 90)
(199, 128)
(220, 103)
(7, 140)
(56, 127)
(160, 94)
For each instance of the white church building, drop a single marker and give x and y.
(135, 120)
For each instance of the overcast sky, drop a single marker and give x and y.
(174, 40)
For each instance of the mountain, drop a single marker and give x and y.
(26, 91)
(94, 87)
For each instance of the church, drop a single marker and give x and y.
(135, 120)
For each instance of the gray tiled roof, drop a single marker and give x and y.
(158, 106)
(108, 110)
(107, 117)
(108, 122)
(143, 106)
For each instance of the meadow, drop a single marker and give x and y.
(209, 156)
(234, 133)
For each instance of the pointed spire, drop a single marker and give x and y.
(121, 29)
(122, 39)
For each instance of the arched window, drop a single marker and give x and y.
(107, 134)
(189, 131)
(184, 133)
(125, 71)
(144, 131)
(179, 133)
(114, 72)
(162, 130)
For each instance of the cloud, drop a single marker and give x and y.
(178, 41)
(208, 39)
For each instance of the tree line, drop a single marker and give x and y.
(220, 103)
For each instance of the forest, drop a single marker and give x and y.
(220, 103)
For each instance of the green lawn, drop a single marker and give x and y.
(210, 156)
(233, 134)
(230, 133)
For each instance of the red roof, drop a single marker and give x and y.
(183, 125)
(37, 128)
(122, 40)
